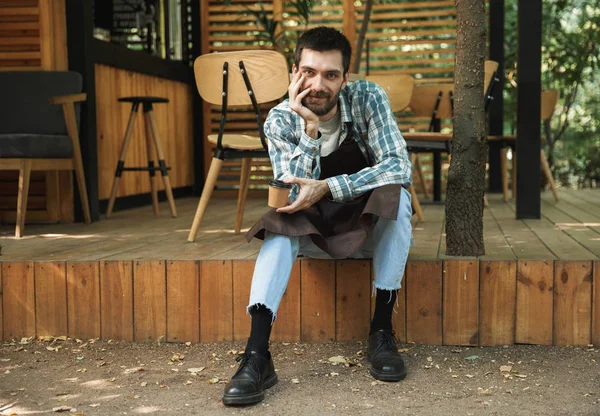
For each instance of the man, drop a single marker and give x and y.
(339, 145)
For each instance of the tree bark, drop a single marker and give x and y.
(466, 177)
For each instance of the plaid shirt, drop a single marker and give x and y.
(366, 112)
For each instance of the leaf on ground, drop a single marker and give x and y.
(520, 375)
(505, 368)
(469, 375)
(295, 381)
(134, 370)
(213, 380)
(472, 357)
(195, 370)
(339, 359)
(177, 357)
(72, 379)
(94, 404)
(187, 383)
(61, 409)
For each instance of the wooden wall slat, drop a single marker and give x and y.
(287, 324)
(18, 302)
(596, 306)
(242, 278)
(317, 300)
(352, 299)
(149, 301)
(572, 302)
(116, 300)
(497, 292)
(424, 302)
(183, 301)
(461, 302)
(534, 302)
(216, 300)
(83, 300)
(50, 298)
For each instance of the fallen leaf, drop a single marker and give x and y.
(213, 380)
(333, 374)
(61, 409)
(177, 357)
(469, 375)
(187, 344)
(133, 370)
(520, 375)
(195, 370)
(472, 357)
(430, 359)
(484, 392)
(72, 379)
(505, 368)
(187, 383)
(94, 404)
(295, 381)
(341, 360)
(355, 389)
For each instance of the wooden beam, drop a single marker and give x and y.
(528, 109)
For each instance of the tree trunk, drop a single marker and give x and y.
(360, 40)
(466, 177)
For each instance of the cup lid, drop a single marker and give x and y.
(279, 184)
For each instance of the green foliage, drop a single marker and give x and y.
(571, 65)
(268, 27)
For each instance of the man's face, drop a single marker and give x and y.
(324, 76)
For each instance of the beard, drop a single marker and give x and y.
(320, 107)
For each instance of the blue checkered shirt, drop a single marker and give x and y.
(366, 113)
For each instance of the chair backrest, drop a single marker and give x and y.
(266, 69)
(25, 106)
(549, 100)
(424, 97)
(490, 70)
(398, 87)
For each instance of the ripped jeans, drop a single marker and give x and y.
(388, 247)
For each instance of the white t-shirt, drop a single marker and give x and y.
(330, 134)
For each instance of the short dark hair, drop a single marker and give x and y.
(323, 39)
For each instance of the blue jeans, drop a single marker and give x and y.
(388, 247)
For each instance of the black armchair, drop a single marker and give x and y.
(36, 133)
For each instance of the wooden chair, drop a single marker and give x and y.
(234, 79)
(37, 134)
(399, 89)
(549, 100)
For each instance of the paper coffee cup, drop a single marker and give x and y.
(278, 193)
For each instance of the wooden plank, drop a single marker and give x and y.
(18, 305)
(352, 300)
(318, 300)
(242, 279)
(116, 300)
(596, 306)
(83, 300)
(427, 234)
(534, 302)
(183, 301)
(497, 302)
(287, 324)
(560, 243)
(216, 300)
(496, 245)
(50, 298)
(424, 302)
(149, 301)
(461, 302)
(572, 302)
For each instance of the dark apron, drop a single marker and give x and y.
(339, 229)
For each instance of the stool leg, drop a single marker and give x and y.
(209, 186)
(121, 163)
(416, 204)
(153, 185)
(548, 174)
(161, 162)
(514, 175)
(243, 193)
(504, 172)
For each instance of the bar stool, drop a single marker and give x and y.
(151, 130)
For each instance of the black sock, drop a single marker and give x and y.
(262, 320)
(384, 306)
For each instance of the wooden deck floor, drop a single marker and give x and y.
(568, 230)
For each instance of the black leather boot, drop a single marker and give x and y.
(254, 375)
(386, 363)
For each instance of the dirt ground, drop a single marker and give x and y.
(110, 378)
